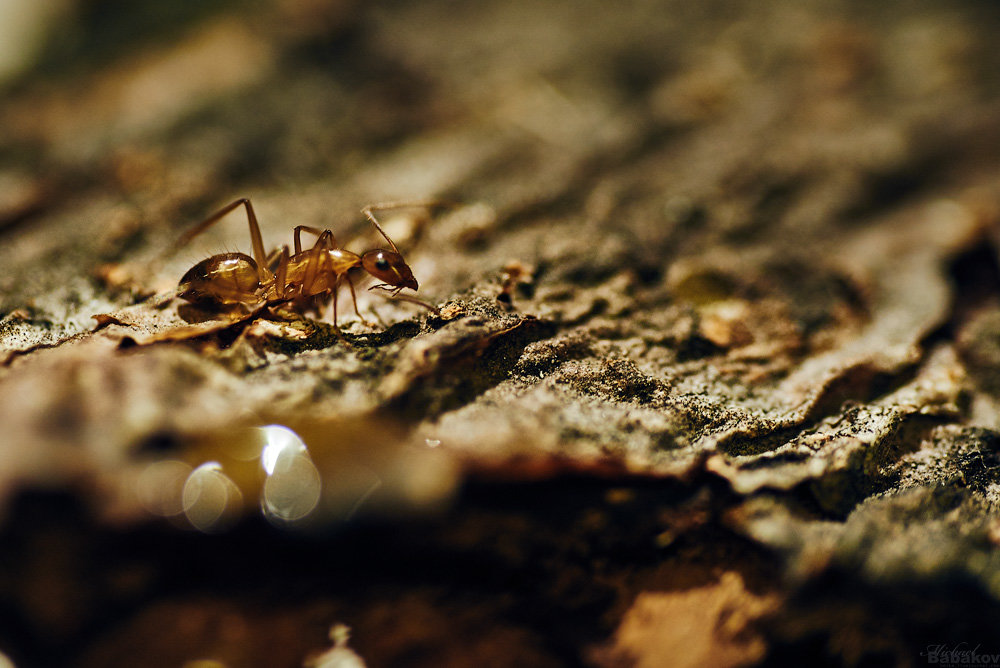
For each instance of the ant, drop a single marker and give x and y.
(239, 285)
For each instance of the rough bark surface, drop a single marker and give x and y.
(715, 376)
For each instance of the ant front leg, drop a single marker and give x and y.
(354, 298)
(255, 237)
(336, 327)
(336, 289)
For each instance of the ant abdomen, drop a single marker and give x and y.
(228, 278)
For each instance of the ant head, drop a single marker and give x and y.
(389, 267)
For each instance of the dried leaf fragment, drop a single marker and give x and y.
(705, 626)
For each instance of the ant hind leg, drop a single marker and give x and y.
(255, 237)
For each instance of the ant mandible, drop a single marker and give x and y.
(235, 282)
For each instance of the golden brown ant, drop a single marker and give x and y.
(237, 284)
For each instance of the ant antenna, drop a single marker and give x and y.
(425, 204)
(368, 212)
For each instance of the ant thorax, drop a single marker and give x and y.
(320, 269)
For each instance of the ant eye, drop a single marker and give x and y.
(381, 263)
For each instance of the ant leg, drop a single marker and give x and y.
(326, 240)
(336, 289)
(369, 212)
(311, 230)
(280, 283)
(255, 238)
(378, 316)
(314, 262)
(272, 259)
(354, 298)
(396, 297)
(336, 327)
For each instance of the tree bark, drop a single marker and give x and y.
(710, 377)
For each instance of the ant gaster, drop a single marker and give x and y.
(306, 279)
